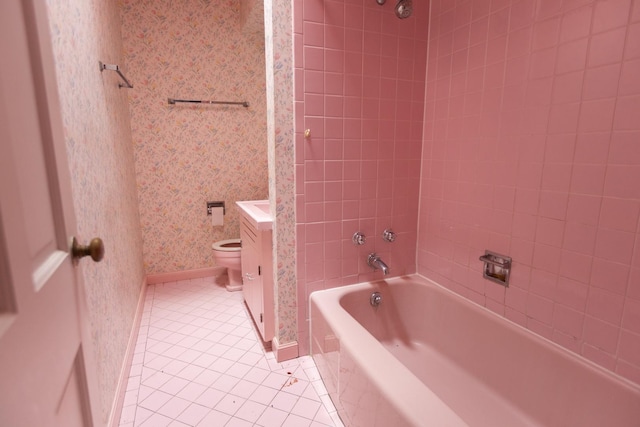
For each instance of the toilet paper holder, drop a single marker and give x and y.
(216, 205)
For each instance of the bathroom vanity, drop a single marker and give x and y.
(257, 267)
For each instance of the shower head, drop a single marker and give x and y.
(404, 8)
(381, 2)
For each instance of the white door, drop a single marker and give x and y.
(47, 377)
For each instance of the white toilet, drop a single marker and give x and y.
(227, 254)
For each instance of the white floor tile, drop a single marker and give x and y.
(128, 414)
(238, 422)
(250, 411)
(155, 401)
(262, 394)
(284, 401)
(142, 415)
(275, 380)
(198, 361)
(174, 407)
(272, 417)
(296, 421)
(214, 418)
(230, 404)
(256, 375)
(243, 389)
(193, 414)
(176, 423)
(306, 408)
(238, 370)
(156, 420)
(191, 391)
(210, 398)
(207, 377)
(156, 379)
(225, 383)
(221, 365)
(323, 417)
(144, 392)
(174, 385)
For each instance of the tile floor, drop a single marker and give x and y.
(198, 362)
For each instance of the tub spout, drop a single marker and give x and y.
(376, 262)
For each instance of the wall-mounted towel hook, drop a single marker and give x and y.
(115, 68)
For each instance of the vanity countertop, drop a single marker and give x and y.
(257, 212)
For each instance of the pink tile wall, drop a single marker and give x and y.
(359, 88)
(532, 149)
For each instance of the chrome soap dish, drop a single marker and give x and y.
(497, 268)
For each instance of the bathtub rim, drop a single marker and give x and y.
(343, 319)
(413, 406)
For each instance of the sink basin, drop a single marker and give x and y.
(257, 212)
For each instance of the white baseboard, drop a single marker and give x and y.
(121, 388)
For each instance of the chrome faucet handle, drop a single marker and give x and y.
(388, 235)
(358, 238)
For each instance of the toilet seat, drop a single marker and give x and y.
(229, 245)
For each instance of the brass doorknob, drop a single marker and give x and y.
(95, 249)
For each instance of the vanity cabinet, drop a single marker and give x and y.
(257, 276)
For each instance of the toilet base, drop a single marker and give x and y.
(235, 280)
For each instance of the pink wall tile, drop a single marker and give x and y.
(543, 99)
(363, 73)
(592, 147)
(601, 82)
(610, 14)
(604, 305)
(606, 48)
(609, 275)
(596, 116)
(632, 49)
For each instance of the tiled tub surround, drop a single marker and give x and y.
(359, 88)
(531, 150)
(199, 362)
(426, 356)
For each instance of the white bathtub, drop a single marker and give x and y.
(427, 357)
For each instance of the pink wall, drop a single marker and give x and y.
(359, 88)
(531, 150)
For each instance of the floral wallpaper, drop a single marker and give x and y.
(188, 154)
(100, 157)
(281, 163)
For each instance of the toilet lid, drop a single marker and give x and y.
(230, 245)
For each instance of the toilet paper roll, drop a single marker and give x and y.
(217, 216)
